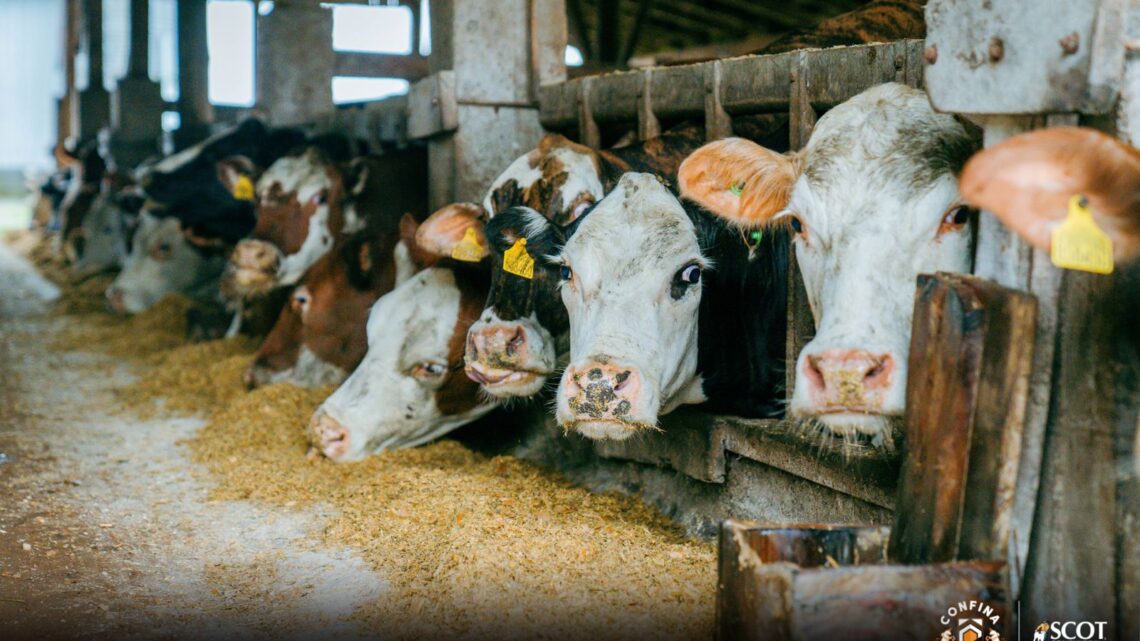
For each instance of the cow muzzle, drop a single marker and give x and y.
(844, 387)
(508, 359)
(252, 270)
(603, 400)
(330, 438)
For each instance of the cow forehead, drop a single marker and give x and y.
(294, 174)
(579, 168)
(887, 138)
(639, 221)
(416, 320)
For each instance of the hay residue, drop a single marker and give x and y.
(474, 547)
(193, 378)
(135, 338)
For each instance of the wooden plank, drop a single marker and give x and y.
(432, 107)
(687, 444)
(999, 57)
(963, 439)
(1071, 570)
(588, 132)
(380, 65)
(752, 597)
(718, 124)
(616, 100)
(648, 126)
(757, 83)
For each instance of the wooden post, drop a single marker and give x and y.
(137, 104)
(295, 88)
(497, 68)
(193, 74)
(66, 104)
(92, 107)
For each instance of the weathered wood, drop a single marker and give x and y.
(295, 89)
(962, 438)
(548, 36)
(843, 590)
(380, 65)
(718, 124)
(432, 108)
(588, 132)
(1071, 570)
(1000, 57)
(648, 126)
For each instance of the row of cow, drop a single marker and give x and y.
(615, 284)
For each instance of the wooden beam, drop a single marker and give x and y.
(635, 32)
(380, 65)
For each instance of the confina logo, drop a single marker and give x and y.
(970, 621)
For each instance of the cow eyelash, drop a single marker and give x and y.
(956, 218)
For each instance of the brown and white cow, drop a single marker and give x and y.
(873, 201)
(1027, 181)
(514, 347)
(320, 337)
(304, 203)
(410, 387)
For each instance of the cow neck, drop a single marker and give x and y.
(743, 317)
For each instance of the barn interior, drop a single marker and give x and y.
(154, 484)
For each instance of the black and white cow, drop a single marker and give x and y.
(873, 201)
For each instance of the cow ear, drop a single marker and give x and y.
(1027, 181)
(455, 230)
(238, 174)
(739, 180)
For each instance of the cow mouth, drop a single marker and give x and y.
(500, 381)
(246, 282)
(600, 429)
(854, 424)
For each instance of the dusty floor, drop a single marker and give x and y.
(111, 525)
(105, 530)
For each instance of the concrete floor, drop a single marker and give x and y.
(105, 531)
(15, 213)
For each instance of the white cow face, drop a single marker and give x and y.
(631, 285)
(100, 243)
(162, 262)
(410, 387)
(873, 201)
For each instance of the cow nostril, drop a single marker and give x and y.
(621, 380)
(813, 371)
(879, 371)
(517, 341)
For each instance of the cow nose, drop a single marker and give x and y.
(602, 390)
(330, 437)
(499, 345)
(848, 378)
(115, 300)
(256, 255)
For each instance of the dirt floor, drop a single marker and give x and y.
(184, 522)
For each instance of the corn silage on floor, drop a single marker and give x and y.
(464, 545)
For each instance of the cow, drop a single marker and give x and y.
(320, 336)
(88, 168)
(164, 260)
(306, 201)
(102, 241)
(410, 388)
(668, 305)
(1027, 181)
(514, 347)
(873, 201)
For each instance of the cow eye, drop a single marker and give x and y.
(565, 273)
(429, 370)
(796, 224)
(321, 197)
(685, 278)
(956, 218)
(164, 248)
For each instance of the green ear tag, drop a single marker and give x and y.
(736, 188)
(757, 235)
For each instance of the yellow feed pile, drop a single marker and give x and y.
(474, 547)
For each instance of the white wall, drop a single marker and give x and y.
(31, 77)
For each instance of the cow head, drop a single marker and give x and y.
(410, 388)
(320, 336)
(163, 261)
(631, 275)
(299, 215)
(873, 202)
(560, 179)
(1027, 182)
(102, 241)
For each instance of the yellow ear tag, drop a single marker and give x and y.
(516, 261)
(468, 248)
(1079, 244)
(243, 188)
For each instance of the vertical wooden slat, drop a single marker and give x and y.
(801, 323)
(647, 124)
(718, 124)
(588, 132)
